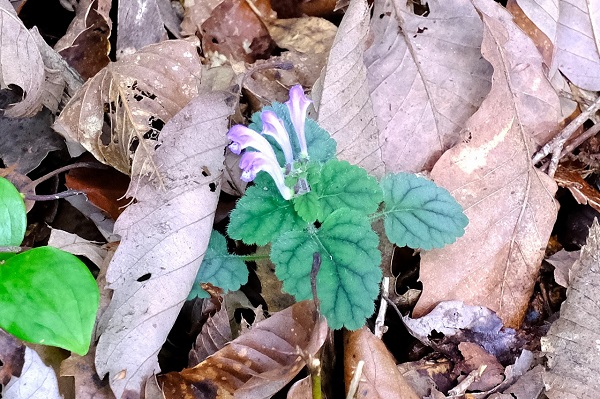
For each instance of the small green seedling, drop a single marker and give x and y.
(47, 296)
(308, 202)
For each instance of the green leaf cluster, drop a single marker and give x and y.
(331, 215)
(47, 296)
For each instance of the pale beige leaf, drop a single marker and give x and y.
(305, 35)
(380, 378)
(301, 389)
(137, 95)
(426, 77)
(164, 236)
(342, 94)
(36, 381)
(573, 26)
(571, 345)
(258, 363)
(76, 245)
(509, 203)
(20, 63)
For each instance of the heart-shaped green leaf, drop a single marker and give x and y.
(219, 268)
(349, 276)
(262, 214)
(13, 217)
(342, 185)
(48, 296)
(420, 214)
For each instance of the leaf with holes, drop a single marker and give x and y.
(420, 214)
(348, 279)
(219, 268)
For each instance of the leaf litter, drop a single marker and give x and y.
(451, 89)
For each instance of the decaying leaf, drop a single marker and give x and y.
(20, 63)
(36, 380)
(572, 25)
(426, 78)
(380, 376)
(195, 13)
(572, 342)
(139, 24)
(258, 363)
(76, 245)
(87, 383)
(12, 357)
(216, 332)
(304, 35)
(341, 94)
(509, 203)
(563, 262)
(164, 236)
(137, 95)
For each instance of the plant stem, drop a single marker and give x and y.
(254, 257)
(314, 368)
(316, 265)
(34, 183)
(52, 197)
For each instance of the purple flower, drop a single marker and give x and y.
(273, 126)
(243, 137)
(254, 162)
(298, 105)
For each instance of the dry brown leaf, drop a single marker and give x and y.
(563, 263)
(341, 94)
(164, 236)
(305, 35)
(138, 95)
(195, 13)
(426, 78)
(216, 332)
(301, 389)
(509, 203)
(474, 358)
(572, 25)
(571, 345)
(87, 383)
(380, 376)
(12, 356)
(140, 24)
(20, 63)
(258, 363)
(582, 191)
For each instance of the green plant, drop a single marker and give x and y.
(308, 202)
(47, 296)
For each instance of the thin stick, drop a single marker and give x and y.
(591, 132)
(52, 197)
(355, 380)
(34, 183)
(316, 265)
(560, 139)
(380, 327)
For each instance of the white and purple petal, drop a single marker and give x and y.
(254, 162)
(273, 126)
(243, 137)
(298, 106)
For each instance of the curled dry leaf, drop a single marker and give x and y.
(216, 332)
(341, 94)
(426, 78)
(509, 203)
(20, 63)
(380, 376)
(164, 236)
(137, 95)
(258, 363)
(571, 343)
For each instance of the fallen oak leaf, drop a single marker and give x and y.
(164, 236)
(258, 363)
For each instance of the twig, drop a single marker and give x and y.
(12, 249)
(284, 65)
(355, 380)
(591, 132)
(462, 387)
(380, 327)
(555, 145)
(316, 265)
(52, 197)
(34, 183)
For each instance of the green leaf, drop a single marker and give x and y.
(349, 276)
(219, 268)
(420, 214)
(308, 207)
(13, 217)
(262, 214)
(342, 185)
(49, 297)
(321, 147)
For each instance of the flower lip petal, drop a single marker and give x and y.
(243, 137)
(273, 126)
(298, 105)
(254, 162)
